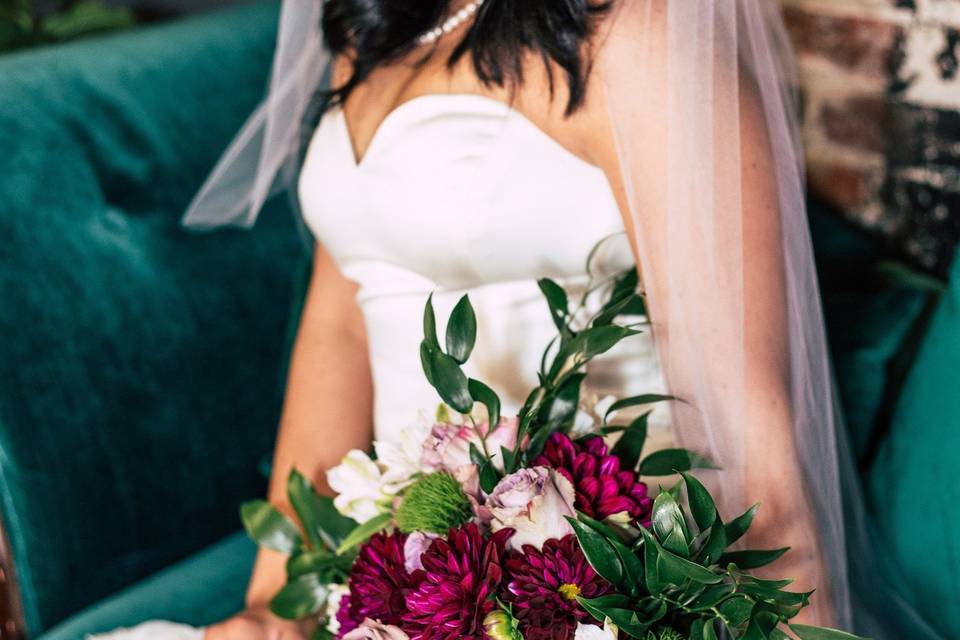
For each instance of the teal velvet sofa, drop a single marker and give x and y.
(142, 367)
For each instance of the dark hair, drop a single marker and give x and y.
(376, 32)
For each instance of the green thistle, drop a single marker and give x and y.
(434, 503)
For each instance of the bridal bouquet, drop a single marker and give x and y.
(535, 526)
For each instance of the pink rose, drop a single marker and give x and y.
(373, 630)
(534, 503)
(414, 547)
(447, 448)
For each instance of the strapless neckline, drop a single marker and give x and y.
(396, 117)
(464, 194)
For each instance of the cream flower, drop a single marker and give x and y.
(534, 503)
(591, 632)
(373, 630)
(360, 487)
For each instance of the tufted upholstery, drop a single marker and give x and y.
(142, 367)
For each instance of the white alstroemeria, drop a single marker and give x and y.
(603, 405)
(360, 487)
(592, 632)
(400, 458)
(336, 594)
(590, 414)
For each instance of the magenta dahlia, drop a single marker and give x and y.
(543, 587)
(379, 583)
(463, 575)
(602, 487)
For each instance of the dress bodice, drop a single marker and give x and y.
(456, 194)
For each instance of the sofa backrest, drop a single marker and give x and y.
(141, 366)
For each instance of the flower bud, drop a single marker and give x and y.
(500, 625)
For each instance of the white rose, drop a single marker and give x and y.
(534, 502)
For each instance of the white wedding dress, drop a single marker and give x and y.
(460, 193)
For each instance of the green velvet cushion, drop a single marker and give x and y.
(203, 589)
(914, 482)
(867, 332)
(142, 366)
(868, 321)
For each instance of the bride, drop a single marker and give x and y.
(471, 145)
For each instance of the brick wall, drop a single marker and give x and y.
(882, 116)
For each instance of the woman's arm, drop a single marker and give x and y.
(748, 327)
(328, 410)
(328, 407)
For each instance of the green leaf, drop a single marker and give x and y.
(597, 607)
(709, 632)
(611, 310)
(714, 544)
(489, 477)
(324, 563)
(269, 528)
(564, 403)
(739, 526)
(509, 460)
(426, 359)
(702, 506)
(761, 624)
(599, 340)
(630, 445)
(635, 401)
(667, 462)
(487, 397)
(736, 609)
(676, 570)
(696, 629)
(626, 285)
(669, 524)
(430, 325)
(619, 609)
(322, 523)
(711, 597)
(752, 559)
(450, 381)
(301, 597)
(363, 532)
(321, 633)
(557, 301)
(461, 331)
(632, 566)
(601, 555)
(651, 565)
(805, 632)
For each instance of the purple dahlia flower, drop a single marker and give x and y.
(603, 489)
(463, 575)
(543, 587)
(379, 584)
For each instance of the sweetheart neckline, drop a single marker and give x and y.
(358, 163)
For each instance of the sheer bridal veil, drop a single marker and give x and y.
(701, 98)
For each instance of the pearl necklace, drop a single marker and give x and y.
(450, 23)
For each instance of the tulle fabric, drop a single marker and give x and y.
(264, 156)
(701, 99)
